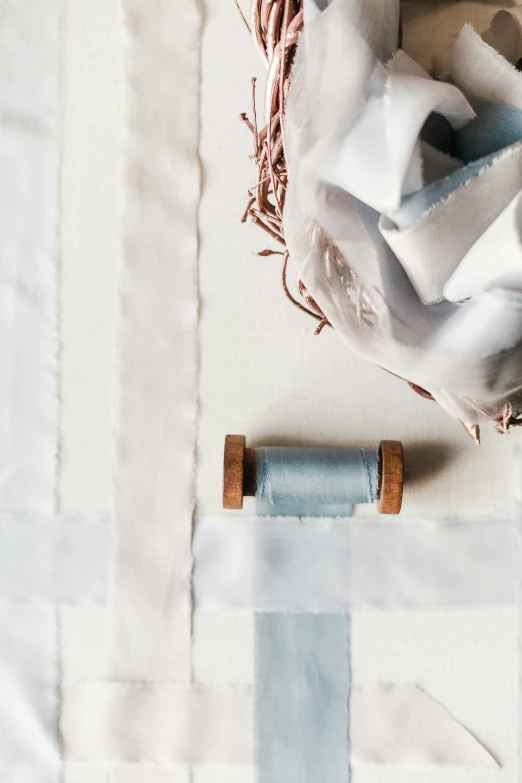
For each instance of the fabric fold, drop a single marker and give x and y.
(402, 724)
(378, 160)
(433, 245)
(478, 69)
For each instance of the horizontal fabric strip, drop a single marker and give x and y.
(29, 162)
(149, 726)
(332, 566)
(163, 723)
(53, 560)
(29, 688)
(149, 774)
(302, 670)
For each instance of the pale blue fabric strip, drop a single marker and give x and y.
(308, 477)
(302, 661)
(302, 669)
(495, 128)
(478, 144)
(417, 204)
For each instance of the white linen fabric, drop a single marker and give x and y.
(149, 774)
(89, 251)
(157, 355)
(335, 565)
(402, 724)
(378, 224)
(29, 165)
(173, 724)
(29, 57)
(29, 695)
(42, 562)
(161, 723)
(61, 560)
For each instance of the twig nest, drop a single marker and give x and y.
(399, 196)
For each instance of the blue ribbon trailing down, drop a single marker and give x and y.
(302, 661)
(302, 670)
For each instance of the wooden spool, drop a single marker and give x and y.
(240, 479)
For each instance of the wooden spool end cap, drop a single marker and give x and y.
(239, 472)
(233, 463)
(391, 476)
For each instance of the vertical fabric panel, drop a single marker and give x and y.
(29, 167)
(29, 110)
(28, 702)
(517, 511)
(89, 250)
(157, 345)
(302, 675)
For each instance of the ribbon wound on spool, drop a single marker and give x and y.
(317, 476)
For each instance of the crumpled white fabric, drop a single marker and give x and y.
(402, 204)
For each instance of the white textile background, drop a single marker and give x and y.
(264, 374)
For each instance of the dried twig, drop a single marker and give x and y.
(289, 295)
(275, 27)
(242, 15)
